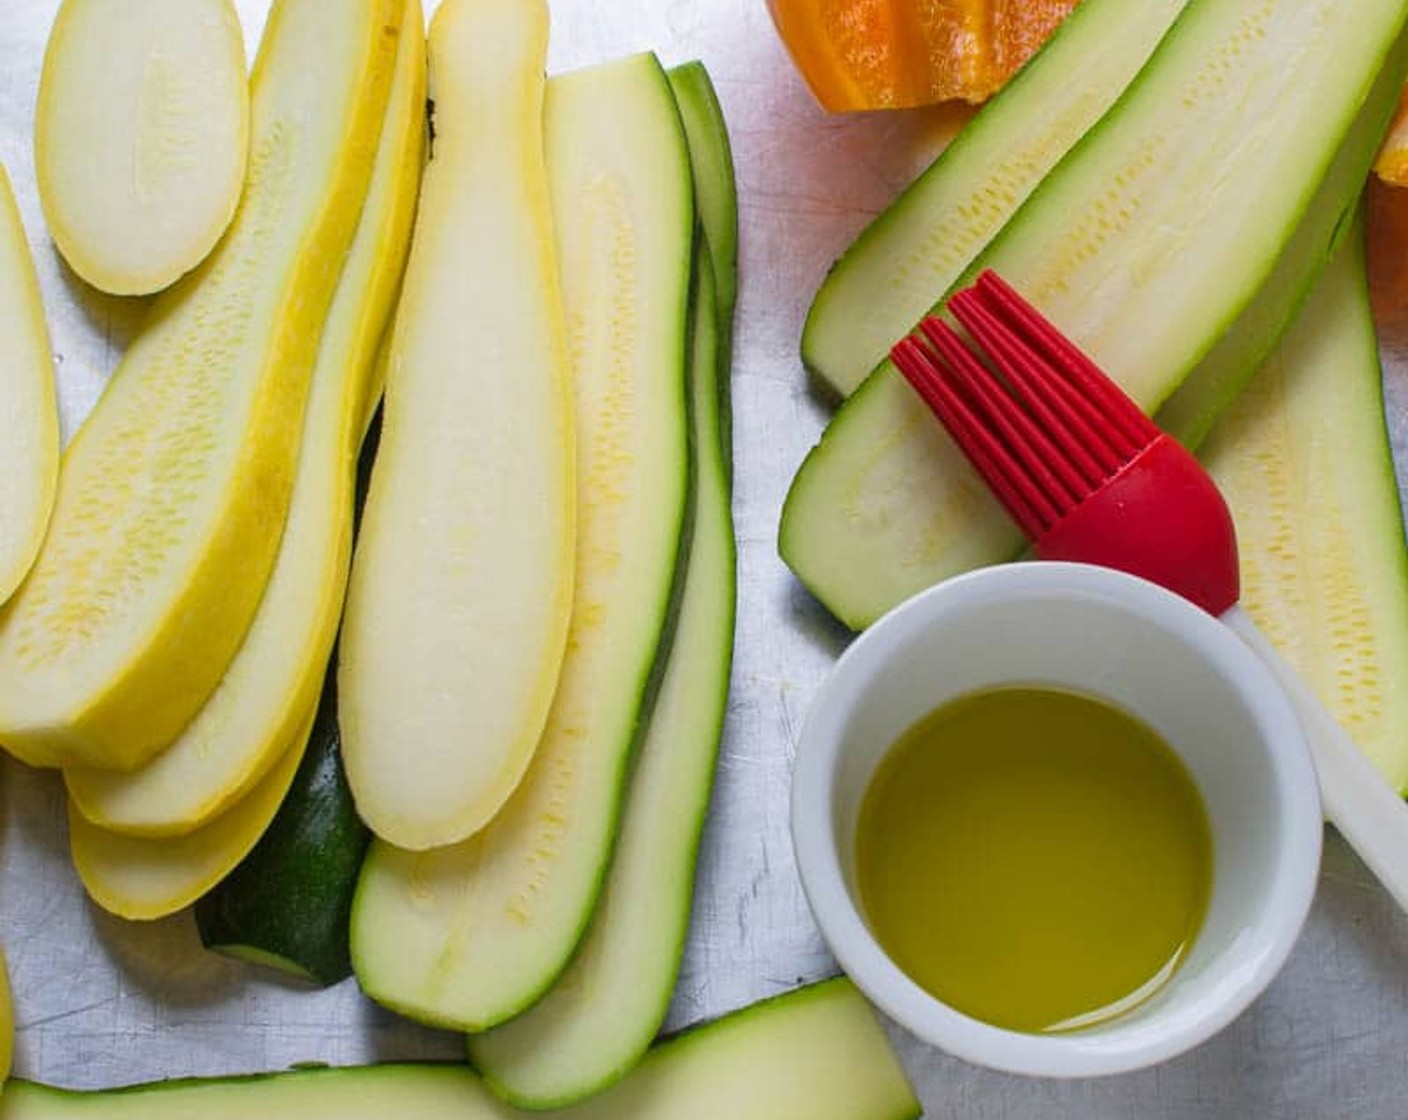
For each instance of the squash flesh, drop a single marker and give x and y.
(905, 260)
(813, 1054)
(602, 1013)
(29, 422)
(461, 584)
(276, 676)
(155, 94)
(1303, 459)
(173, 495)
(144, 878)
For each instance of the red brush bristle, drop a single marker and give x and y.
(1048, 428)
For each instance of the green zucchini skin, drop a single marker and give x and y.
(1194, 407)
(919, 245)
(817, 1053)
(470, 935)
(1144, 245)
(288, 903)
(1304, 460)
(599, 1018)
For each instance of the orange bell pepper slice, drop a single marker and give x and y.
(892, 54)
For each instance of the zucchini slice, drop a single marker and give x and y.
(274, 679)
(1303, 459)
(141, 136)
(907, 258)
(597, 1021)
(469, 935)
(29, 422)
(143, 878)
(1144, 245)
(174, 493)
(814, 1054)
(461, 586)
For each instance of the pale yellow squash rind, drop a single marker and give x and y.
(141, 137)
(461, 586)
(174, 493)
(29, 420)
(144, 878)
(7, 1020)
(278, 672)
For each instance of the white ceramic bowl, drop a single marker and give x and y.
(1143, 648)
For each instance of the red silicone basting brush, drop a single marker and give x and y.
(1090, 478)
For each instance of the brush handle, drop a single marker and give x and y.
(1363, 807)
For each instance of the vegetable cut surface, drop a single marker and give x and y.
(907, 258)
(143, 877)
(594, 1024)
(1143, 246)
(1304, 462)
(461, 586)
(174, 493)
(265, 695)
(814, 1054)
(141, 136)
(469, 935)
(29, 422)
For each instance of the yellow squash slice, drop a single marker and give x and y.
(174, 493)
(29, 422)
(144, 878)
(7, 1020)
(461, 586)
(278, 672)
(141, 136)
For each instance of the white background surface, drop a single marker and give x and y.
(101, 1002)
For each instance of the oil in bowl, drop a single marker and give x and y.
(1035, 858)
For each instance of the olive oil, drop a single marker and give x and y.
(1035, 858)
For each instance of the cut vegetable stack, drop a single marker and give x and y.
(471, 934)
(173, 495)
(602, 1013)
(151, 840)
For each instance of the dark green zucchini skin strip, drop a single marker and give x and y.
(288, 903)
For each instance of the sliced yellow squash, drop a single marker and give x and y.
(174, 493)
(29, 422)
(141, 135)
(277, 674)
(7, 1020)
(143, 877)
(461, 586)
